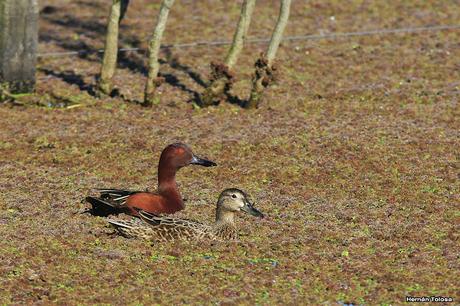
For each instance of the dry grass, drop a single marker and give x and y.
(353, 156)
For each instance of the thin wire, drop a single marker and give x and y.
(266, 40)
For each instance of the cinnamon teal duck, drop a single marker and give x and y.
(166, 199)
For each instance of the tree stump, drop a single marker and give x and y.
(18, 45)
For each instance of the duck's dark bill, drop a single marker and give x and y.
(202, 162)
(251, 210)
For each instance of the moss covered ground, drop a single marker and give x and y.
(353, 155)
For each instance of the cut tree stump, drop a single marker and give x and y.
(18, 45)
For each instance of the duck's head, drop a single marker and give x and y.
(235, 200)
(179, 155)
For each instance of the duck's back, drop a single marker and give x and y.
(170, 228)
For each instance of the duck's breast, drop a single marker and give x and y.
(152, 203)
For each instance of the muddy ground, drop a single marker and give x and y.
(353, 155)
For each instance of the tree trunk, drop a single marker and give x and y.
(264, 73)
(109, 61)
(221, 74)
(18, 46)
(241, 32)
(153, 81)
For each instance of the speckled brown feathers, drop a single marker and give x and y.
(166, 228)
(161, 228)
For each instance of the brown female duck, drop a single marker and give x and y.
(163, 228)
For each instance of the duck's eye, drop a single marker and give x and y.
(234, 196)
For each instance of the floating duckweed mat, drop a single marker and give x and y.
(353, 157)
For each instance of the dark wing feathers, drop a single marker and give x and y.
(110, 201)
(114, 193)
(99, 202)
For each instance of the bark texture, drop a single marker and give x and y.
(109, 61)
(153, 81)
(264, 69)
(221, 74)
(18, 46)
